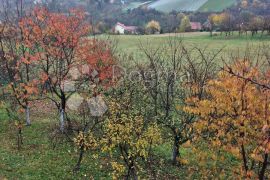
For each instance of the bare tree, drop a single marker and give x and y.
(173, 74)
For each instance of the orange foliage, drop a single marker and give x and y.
(235, 116)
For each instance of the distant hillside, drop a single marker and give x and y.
(178, 5)
(217, 5)
(191, 5)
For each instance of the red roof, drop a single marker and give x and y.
(196, 25)
(127, 28)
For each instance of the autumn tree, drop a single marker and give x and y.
(62, 45)
(211, 20)
(266, 24)
(152, 27)
(17, 61)
(256, 24)
(96, 77)
(244, 4)
(234, 117)
(130, 133)
(185, 24)
(88, 131)
(243, 22)
(225, 21)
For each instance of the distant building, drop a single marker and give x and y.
(123, 29)
(196, 26)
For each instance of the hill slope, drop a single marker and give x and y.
(216, 5)
(178, 5)
(191, 5)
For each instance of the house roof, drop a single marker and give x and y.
(127, 28)
(196, 25)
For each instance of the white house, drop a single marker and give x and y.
(122, 29)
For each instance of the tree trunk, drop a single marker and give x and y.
(78, 165)
(176, 153)
(262, 172)
(19, 138)
(62, 120)
(63, 114)
(131, 173)
(27, 113)
(243, 152)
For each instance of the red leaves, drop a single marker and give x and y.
(50, 44)
(25, 60)
(97, 55)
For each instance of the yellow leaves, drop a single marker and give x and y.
(127, 133)
(187, 144)
(179, 108)
(234, 112)
(216, 143)
(18, 125)
(214, 157)
(153, 26)
(118, 170)
(256, 157)
(85, 141)
(233, 150)
(182, 161)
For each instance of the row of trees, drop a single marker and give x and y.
(178, 94)
(226, 22)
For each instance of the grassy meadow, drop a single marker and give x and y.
(39, 159)
(232, 45)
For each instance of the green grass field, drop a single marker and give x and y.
(216, 5)
(39, 160)
(130, 44)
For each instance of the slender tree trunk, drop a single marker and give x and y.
(134, 174)
(27, 113)
(62, 120)
(131, 173)
(19, 138)
(244, 158)
(63, 114)
(175, 153)
(262, 172)
(78, 165)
